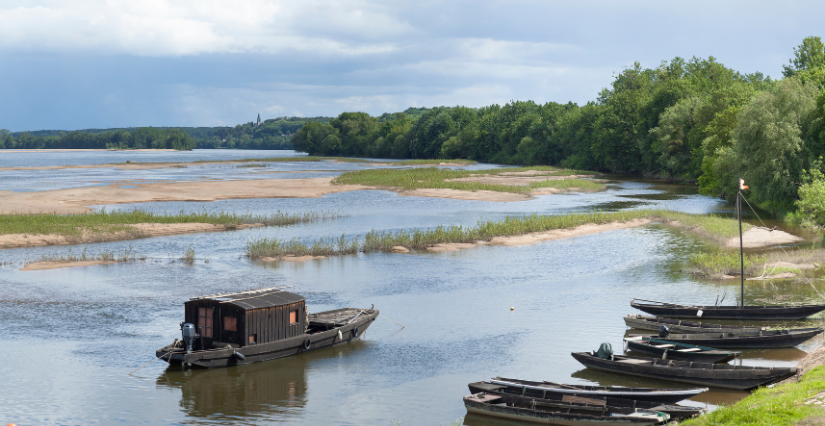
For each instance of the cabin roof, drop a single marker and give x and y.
(255, 299)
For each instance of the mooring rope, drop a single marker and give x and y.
(781, 247)
(402, 327)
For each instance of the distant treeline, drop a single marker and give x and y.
(271, 134)
(686, 119)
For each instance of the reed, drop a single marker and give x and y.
(104, 222)
(433, 177)
(188, 255)
(420, 239)
(717, 264)
(126, 255)
(781, 405)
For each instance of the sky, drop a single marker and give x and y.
(80, 64)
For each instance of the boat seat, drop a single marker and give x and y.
(664, 346)
(689, 350)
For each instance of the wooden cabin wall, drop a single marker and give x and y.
(271, 324)
(219, 310)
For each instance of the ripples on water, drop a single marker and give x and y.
(73, 335)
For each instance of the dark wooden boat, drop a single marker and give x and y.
(657, 395)
(704, 374)
(676, 350)
(258, 325)
(538, 390)
(760, 340)
(644, 322)
(571, 413)
(673, 310)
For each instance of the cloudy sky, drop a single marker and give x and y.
(108, 63)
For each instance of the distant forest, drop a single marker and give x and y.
(694, 120)
(271, 134)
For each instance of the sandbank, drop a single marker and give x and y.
(138, 230)
(457, 194)
(290, 258)
(76, 200)
(36, 266)
(536, 237)
(762, 237)
(514, 179)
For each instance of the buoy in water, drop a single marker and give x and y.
(512, 308)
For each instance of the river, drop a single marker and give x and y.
(72, 336)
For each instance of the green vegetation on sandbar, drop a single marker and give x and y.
(713, 227)
(127, 255)
(433, 177)
(717, 264)
(783, 404)
(74, 225)
(434, 162)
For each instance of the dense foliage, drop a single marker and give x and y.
(692, 119)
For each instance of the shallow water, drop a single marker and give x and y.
(73, 335)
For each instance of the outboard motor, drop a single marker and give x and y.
(189, 335)
(664, 331)
(605, 351)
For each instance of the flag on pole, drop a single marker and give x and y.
(742, 185)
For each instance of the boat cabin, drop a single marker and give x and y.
(246, 318)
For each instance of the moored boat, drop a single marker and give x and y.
(573, 414)
(240, 328)
(657, 395)
(644, 322)
(791, 312)
(705, 374)
(539, 390)
(676, 350)
(747, 340)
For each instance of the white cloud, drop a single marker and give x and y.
(190, 27)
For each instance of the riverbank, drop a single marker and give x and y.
(794, 403)
(30, 230)
(786, 264)
(511, 231)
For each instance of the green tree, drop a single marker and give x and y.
(809, 55)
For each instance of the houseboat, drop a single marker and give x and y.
(221, 330)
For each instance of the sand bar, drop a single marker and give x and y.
(37, 266)
(138, 230)
(290, 258)
(762, 237)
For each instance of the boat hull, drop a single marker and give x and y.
(268, 351)
(659, 396)
(731, 312)
(475, 405)
(706, 354)
(641, 322)
(723, 376)
(745, 341)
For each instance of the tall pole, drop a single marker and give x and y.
(741, 251)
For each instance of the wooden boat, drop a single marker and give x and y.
(258, 325)
(644, 322)
(673, 310)
(666, 349)
(657, 395)
(760, 340)
(538, 390)
(572, 414)
(704, 374)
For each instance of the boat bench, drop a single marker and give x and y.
(689, 350)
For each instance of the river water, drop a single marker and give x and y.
(72, 336)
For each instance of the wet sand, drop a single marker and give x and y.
(37, 266)
(138, 230)
(761, 237)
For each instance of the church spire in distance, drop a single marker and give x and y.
(258, 124)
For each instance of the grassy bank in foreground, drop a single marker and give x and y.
(713, 227)
(777, 406)
(103, 222)
(410, 179)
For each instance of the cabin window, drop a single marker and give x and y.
(253, 338)
(230, 323)
(205, 322)
(293, 317)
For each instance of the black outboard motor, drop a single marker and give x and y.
(664, 331)
(189, 336)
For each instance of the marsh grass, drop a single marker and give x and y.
(420, 239)
(433, 177)
(719, 263)
(251, 165)
(75, 226)
(778, 406)
(127, 255)
(434, 162)
(188, 255)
